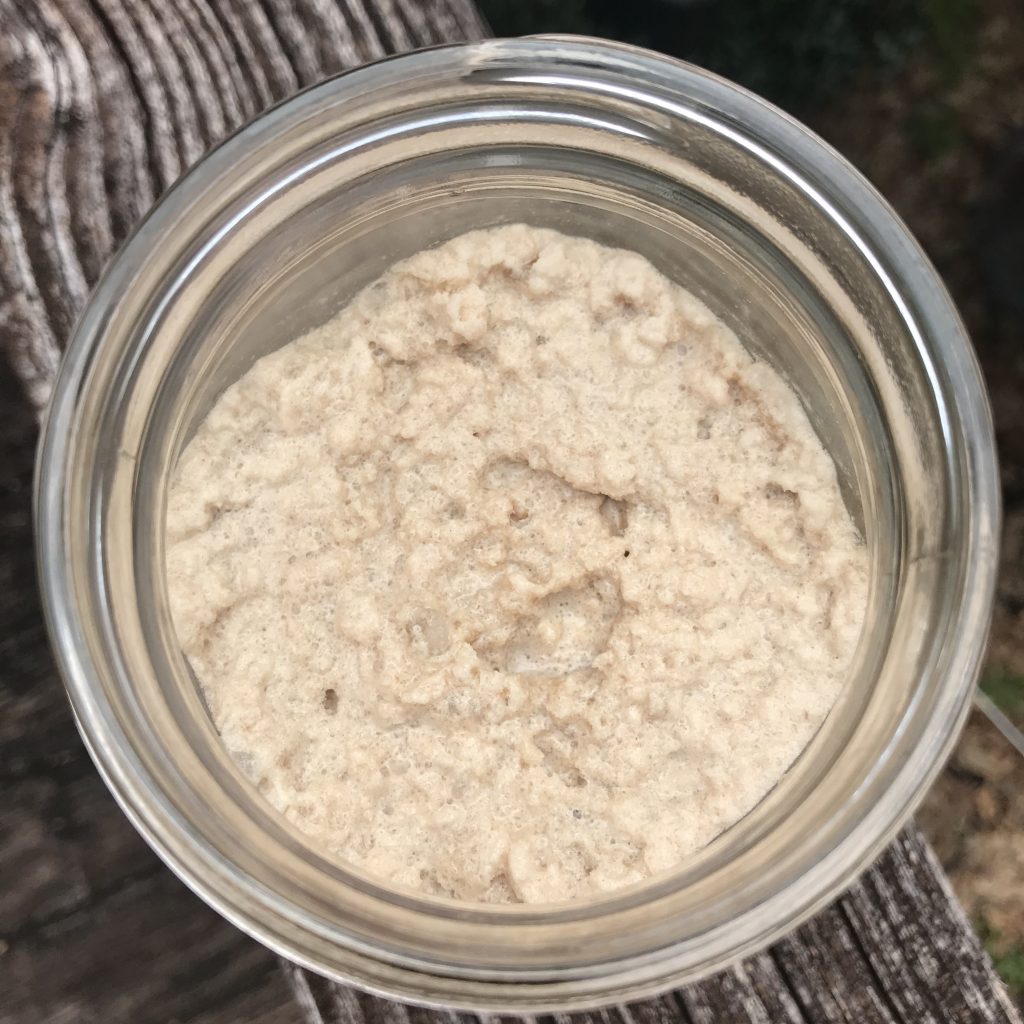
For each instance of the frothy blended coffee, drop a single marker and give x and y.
(520, 580)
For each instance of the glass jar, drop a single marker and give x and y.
(273, 231)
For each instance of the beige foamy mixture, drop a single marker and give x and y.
(519, 580)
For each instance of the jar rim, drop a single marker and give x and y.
(671, 89)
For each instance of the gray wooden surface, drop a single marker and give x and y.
(102, 104)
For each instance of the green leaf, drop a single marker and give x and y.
(953, 27)
(1005, 689)
(1008, 961)
(934, 130)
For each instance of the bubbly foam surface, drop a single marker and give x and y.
(519, 580)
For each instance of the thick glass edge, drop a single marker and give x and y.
(943, 329)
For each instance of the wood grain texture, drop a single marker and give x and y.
(93, 928)
(103, 103)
